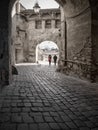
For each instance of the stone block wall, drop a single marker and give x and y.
(78, 69)
(79, 46)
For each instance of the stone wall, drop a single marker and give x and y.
(79, 37)
(36, 36)
(19, 39)
(82, 39)
(79, 46)
(26, 45)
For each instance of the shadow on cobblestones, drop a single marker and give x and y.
(41, 99)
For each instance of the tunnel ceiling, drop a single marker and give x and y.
(73, 7)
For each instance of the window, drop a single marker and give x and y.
(48, 24)
(57, 23)
(58, 14)
(38, 24)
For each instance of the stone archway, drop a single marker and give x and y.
(36, 42)
(80, 16)
(46, 48)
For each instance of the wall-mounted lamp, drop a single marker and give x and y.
(36, 7)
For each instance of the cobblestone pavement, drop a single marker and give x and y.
(41, 99)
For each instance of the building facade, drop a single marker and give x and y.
(32, 29)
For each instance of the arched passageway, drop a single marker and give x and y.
(44, 49)
(80, 43)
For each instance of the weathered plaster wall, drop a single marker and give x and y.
(19, 38)
(78, 37)
(78, 30)
(36, 36)
(26, 44)
(82, 39)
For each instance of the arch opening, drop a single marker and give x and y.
(77, 15)
(74, 36)
(44, 49)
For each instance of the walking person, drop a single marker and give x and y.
(55, 59)
(49, 59)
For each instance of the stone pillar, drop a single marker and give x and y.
(62, 32)
(5, 57)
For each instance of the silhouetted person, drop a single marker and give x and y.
(55, 59)
(49, 59)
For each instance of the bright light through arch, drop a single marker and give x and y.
(44, 49)
(48, 44)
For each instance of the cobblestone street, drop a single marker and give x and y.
(41, 99)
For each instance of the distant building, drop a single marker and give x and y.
(30, 29)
